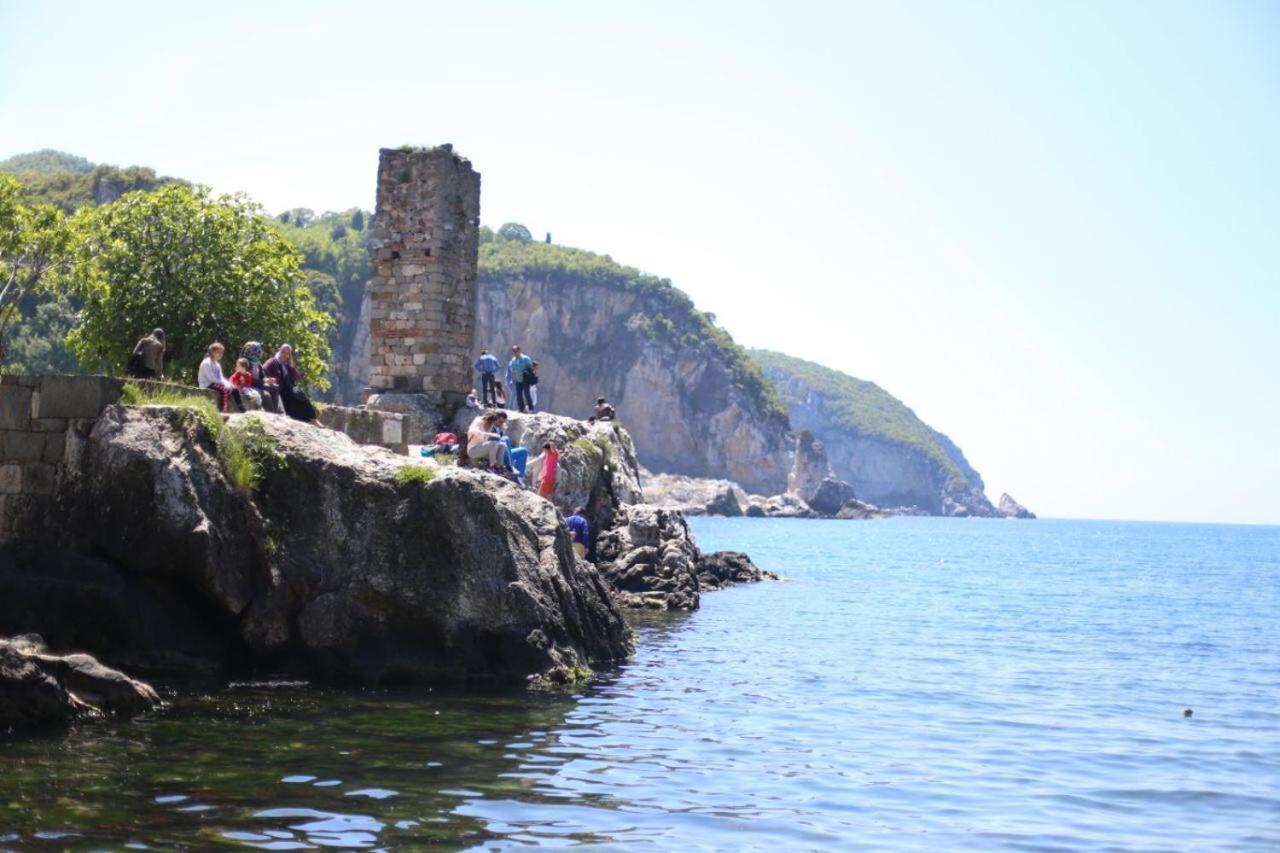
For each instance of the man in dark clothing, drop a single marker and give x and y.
(580, 531)
(488, 368)
(604, 412)
(147, 361)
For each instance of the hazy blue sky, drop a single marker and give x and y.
(1050, 228)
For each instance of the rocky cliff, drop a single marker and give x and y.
(337, 561)
(875, 442)
(687, 394)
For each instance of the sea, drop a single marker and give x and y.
(911, 684)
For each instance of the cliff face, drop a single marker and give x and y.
(875, 442)
(672, 388)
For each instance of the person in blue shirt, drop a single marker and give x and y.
(520, 364)
(488, 368)
(580, 531)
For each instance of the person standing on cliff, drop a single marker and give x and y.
(487, 366)
(520, 363)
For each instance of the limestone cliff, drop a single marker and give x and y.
(875, 442)
(691, 400)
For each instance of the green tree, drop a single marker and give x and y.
(515, 231)
(36, 251)
(201, 268)
(357, 220)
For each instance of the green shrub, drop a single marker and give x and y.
(415, 474)
(446, 459)
(247, 453)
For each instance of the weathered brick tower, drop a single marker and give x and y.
(423, 293)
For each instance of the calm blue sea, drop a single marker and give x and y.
(921, 684)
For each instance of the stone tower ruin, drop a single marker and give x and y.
(423, 292)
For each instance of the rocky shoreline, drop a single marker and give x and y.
(338, 563)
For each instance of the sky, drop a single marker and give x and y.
(1049, 227)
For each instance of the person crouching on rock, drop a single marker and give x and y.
(604, 412)
(485, 442)
(281, 370)
(210, 376)
(579, 531)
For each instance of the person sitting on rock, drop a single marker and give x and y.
(484, 442)
(515, 458)
(499, 395)
(281, 370)
(472, 402)
(604, 412)
(270, 394)
(210, 376)
(579, 531)
(147, 361)
(242, 381)
(487, 366)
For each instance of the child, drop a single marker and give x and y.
(243, 380)
(472, 401)
(549, 463)
(531, 379)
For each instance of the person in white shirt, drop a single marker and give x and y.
(210, 376)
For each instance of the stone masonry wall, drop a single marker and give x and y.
(423, 293)
(44, 421)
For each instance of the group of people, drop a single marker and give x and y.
(271, 385)
(521, 376)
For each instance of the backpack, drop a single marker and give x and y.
(134, 365)
(445, 438)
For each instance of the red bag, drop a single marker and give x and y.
(445, 438)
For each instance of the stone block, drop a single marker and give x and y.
(74, 396)
(10, 479)
(38, 479)
(15, 407)
(392, 431)
(22, 446)
(48, 424)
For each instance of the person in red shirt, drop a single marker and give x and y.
(549, 461)
(243, 379)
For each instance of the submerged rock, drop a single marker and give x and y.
(720, 569)
(38, 688)
(650, 559)
(1010, 508)
(336, 564)
(860, 511)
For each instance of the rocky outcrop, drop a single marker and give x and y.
(337, 564)
(855, 510)
(1010, 508)
(785, 505)
(38, 688)
(809, 466)
(694, 496)
(673, 389)
(650, 559)
(721, 569)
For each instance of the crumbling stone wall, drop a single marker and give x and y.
(426, 230)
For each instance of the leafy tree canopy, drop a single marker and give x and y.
(201, 268)
(45, 162)
(515, 231)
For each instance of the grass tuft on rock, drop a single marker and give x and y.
(247, 453)
(134, 394)
(415, 474)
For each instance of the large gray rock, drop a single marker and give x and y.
(650, 559)
(1010, 508)
(335, 566)
(38, 688)
(830, 495)
(785, 505)
(694, 496)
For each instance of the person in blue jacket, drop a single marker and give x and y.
(488, 368)
(520, 364)
(579, 531)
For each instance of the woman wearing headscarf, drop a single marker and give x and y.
(281, 370)
(252, 353)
